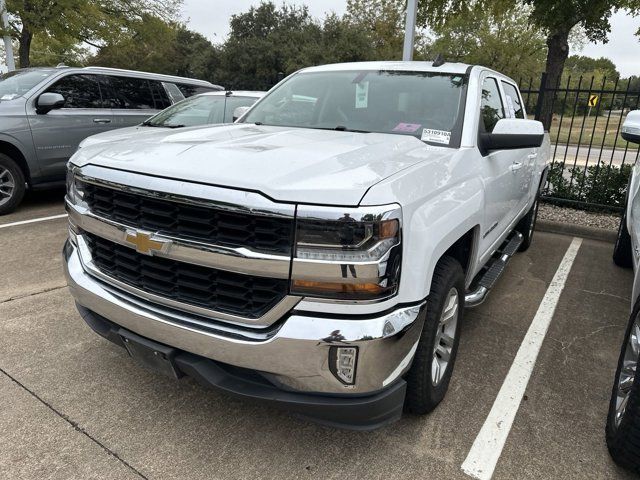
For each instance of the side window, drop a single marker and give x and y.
(491, 108)
(191, 90)
(514, 103)
(160, 96)
(79, 91)
(131, 93)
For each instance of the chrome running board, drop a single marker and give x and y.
(488, 277)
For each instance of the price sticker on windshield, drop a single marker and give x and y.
(362, 94)
(435, 136)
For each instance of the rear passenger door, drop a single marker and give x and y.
(525, 157)
(134, 99)
(56, 134)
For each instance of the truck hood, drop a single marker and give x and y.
(128, 133)
(286, 164)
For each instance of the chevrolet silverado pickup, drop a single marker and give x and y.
(317, 254)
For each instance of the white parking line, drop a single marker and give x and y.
(487, 447)
(33, 220)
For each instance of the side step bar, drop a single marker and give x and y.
(490, 276)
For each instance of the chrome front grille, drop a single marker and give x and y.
(218, 253)
(217, 290)
(212, 225)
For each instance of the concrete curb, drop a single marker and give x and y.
(577, 230)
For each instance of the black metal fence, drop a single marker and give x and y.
(590, 163)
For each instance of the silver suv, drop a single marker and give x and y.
(46, 112)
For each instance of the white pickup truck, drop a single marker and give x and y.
(317, 254)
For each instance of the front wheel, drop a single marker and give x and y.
(12, 184)
(623, 421)
(429, 375)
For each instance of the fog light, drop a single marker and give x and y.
(343, 362)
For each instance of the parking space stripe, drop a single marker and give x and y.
(33, 220)
(487, 447)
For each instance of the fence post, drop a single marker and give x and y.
(541, 92)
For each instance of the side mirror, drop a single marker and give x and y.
(631, 127)
(512, 134)
(49, 101)
(240, 111)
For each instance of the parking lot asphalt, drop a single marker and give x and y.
(75, 407)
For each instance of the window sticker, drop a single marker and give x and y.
(435, 136)
(510, 108)
(362, 94)
(407, 127)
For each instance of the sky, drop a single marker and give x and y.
(211, 18)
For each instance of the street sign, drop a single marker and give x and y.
(593, 100)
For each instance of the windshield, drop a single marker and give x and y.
(426, 105)
(19, 82)
(199, 110)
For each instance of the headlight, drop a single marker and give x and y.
(74, 194)
(347, 253)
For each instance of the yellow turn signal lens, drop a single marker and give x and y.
(328, 287)
(389, 229)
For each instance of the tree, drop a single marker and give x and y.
(384, 22)
(94, 22)
(579, 65)
(555, 18)
(504, 41)
(267, 41)
(154, 45)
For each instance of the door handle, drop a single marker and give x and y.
(101, 120)
(516, 166)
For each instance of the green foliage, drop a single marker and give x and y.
(94, 22)
(154, 45)
(268, 41)
(504, 41)
(383, 21)
(597, 184)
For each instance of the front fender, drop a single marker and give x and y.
(441, 202)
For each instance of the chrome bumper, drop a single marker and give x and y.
(293, 354)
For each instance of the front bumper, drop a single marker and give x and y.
(292, 354)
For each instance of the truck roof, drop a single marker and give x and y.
(413, 66)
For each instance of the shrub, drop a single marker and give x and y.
(599, 184)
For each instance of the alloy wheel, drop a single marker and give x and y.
(7, 185)
(445, 337)
(628, 371)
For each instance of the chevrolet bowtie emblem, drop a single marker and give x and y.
(145, 243)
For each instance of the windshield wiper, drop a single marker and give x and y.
(147, 123)
(342, 128)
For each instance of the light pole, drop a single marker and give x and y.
(8, 46)
(410, 30)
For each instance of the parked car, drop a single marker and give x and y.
(204, 109)
(318, 253)
(623, 420)
(46, 112)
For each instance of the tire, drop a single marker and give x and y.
(623, 431)
(527, 225)
(12, 185)
(424, 390)
(622, 249)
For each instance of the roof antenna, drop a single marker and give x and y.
(439, 60)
